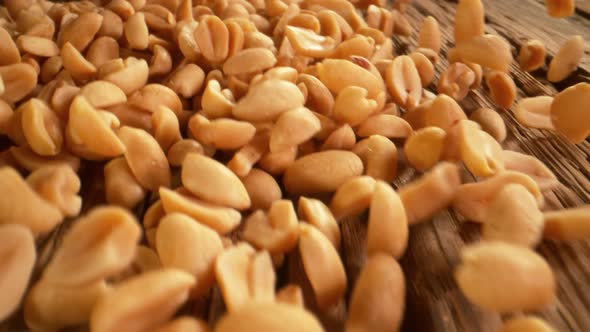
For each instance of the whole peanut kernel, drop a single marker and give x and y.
(535, 112)
(469, 20)
(568, 109)
(387, 231)
(491, 122)
(480, 152)
(566, 60)
(352, 197)
(532, 55)
(502, 88)
(262, 188)
(121, 186)
(424, 148)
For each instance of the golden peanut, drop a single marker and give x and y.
(526, 324)
(440, 184)
(456, 81)
(319, 215)
(381, 163)
(154, 296)
(387, 230)
(184, 324)
(136, 31)
(480, 152)
(469, 20)
(513, 217)
(38, 46)
(321, 172)
(560, 8)
(112, 25)
(531, 166)
(130, 77)
(75, 63)
(236, 38)
(532, 55)
(58, 185)
(249, 60)
(267, 100)
(320, 260)
(277, 231)
(187, 80)
(352, 105)
(212, 37)
(151, 96)
(102, 94)
(352, 197)
(80, 31)
(502, 88)
(401, 26)
(19, 80)
(214, 101)
(129, 115)
(424, 67)
(13, 209)
(139, 148)
(122, 8)
(293, 128)
(337, 74)
(535, 112)
(213, 182)
(161, 62)
(387, 125)
(179, 150)
(42, 129)
(568, 224)
(342, 138)
(357, 45)
(424, 148)
(166, 127)
(184, 243)
(473, 199)
(491, 122)
(430, 34)
(403, 82)
(277, 163)
(262, 188)
(245, 158)
(254, 317)
(489, 51)
(31, 161)
(18, 251)
(568, 112)
(377, 300)
(9, 53)
(121, 186)
(291, 294)
(503, 277)
(566, 60)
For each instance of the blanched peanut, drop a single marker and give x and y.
(401, 26)
(424, 67)
(136, 31)
(19, 80)
(377, 300)
(473, 199)
(80, 31)
(58, 185)
(560, 8)
(38, 46)
(9, 53)
(244, 277)
(213, 182)
(187, 80)
(568, 113)
(17, 247)
(293, 128)
(424, 148)
(184, 243)
(502, 88)
(291, 294)
(277, 163)
(184, 324)
(513, 217)
(491, 122)
(319, 215)
(139, 147)
(489, 51)
(531, 166)
(150, 300)
(75, 63)
(387, 125)
(352, 105)
(469, 20)
(352, 197)
(503, 277)
(567, 225)
(319, 98)
(31, 161)
(267, 100)
(24, 206)
(322, 265)
(121, 186)
(442, 112)
(102, 94)
(215, 102)
(440, 185)
(255, 317)
(306, 42)
(403, 82)
(387, 231)
(161, 62)
(526, 324)
(132, 116)
(212, 36)
(249, 60)
(262, 189)
(151, 96)
(42, 129)
(456, 81)
(130, 77)
(166, 127)
(321, 172)
(480, 152)
(381, 162)
(276, 231)
(535, 112)
(245, 158)
(357, 45)
(337, 74)
(532, 55)
(179, 150)
(430, 34)
(112, 25)
(342, 138)
(566, 60)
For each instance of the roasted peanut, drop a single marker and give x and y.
(224, 134)
(535, 112)
(430, 34)
(480, 152)
(187, 80)
(9, 53)
(568, 224)
(319, 215)
(179, 150)
(275, 231)
(443, 112)
(80, 31)
(424, 67)
(31, 161)
(112, 25)
(75, 63)
(352, 105)
(424, 148)
(121, 186)
(332, 73)
(381, 162)
(469, 20)
(262, 188)
(380, 285)
(526, 324)
(489, 51)
(352, 197)
(136, 31)
(161, 62)
(131, 76)
(532, 55)
(293, 128)
(249, 60)
(440, 184)
(212, 37)
(245, 158)
(58, 185)
(560, 8)
(42, 129)
(166, 127)
(491, 122)
(277, 163)
(503, 277)
(387, 125)
(19, 80)
(38, 46)
(456, 81)
(387, 231)
(320, 259)
(215, 102)
(531, 166)
(267, 100)
(151, 96)
(403, 82)
(502, 88)
(567, 112)
(102, 94)
(566, 60)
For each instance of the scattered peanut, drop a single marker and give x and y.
(423, 149)
(388, 225)
(532, 55)
(569, 224)
(502, 88)
(566, 60)
(480, 152)
(491, 122)
(352, 197)
(531, 166)
(469, 20)
(535, 112)
(568, 110)
(560, 8)
(456, 81)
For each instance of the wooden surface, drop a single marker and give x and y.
(433, 301)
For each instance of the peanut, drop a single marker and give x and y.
(489, 51)
(102, 94)
(480, 152)
(121, 186)
(223, 134)
(425, 68)
(566, 60)
(38, 46)
(136, 31)
(131, 76)
(568, 112)
(151, 96)
(212, 37)
(502, 88)
(526, 324)
(276, 231)
(262, 188)
(80, 31)
(532, 55)
(352, 197)
(532, 167)
(387, 231)
(568, 224)
(184, 324)
(491, 122)
(187, 80)
(456, 81)
(319, 98)
(430, 34)
(267, 100)
(319, 215)
(58, 185)
(291, 294)
(19, 80)
(215, 102)
(381, 162)
(352, 105)
(75, 63)
(560, 8)
(443, 112)
(403, 82)
(386, 125)
(342, 138)
(469, 20)
(535, 112)
(424, 148)
(9, 54)
(337, 74)
(166, 127)
(31, 161)
(42, 129)
(293, 128)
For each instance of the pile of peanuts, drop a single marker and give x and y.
(225, 113)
